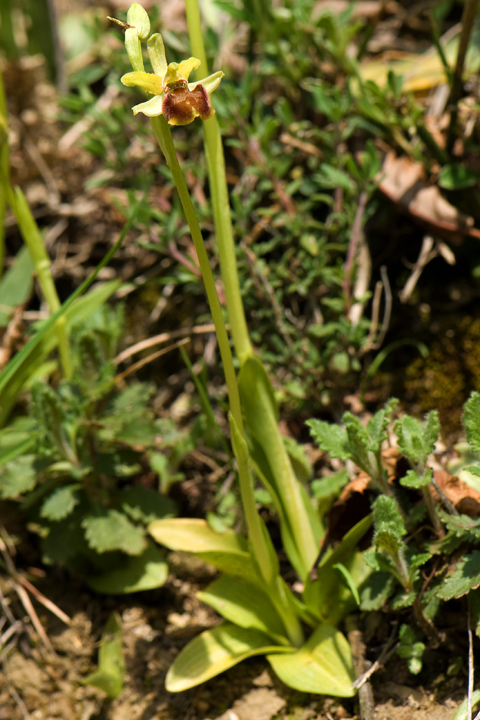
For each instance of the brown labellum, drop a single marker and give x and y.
(181, 105)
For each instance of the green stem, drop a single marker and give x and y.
(220, 200)
(42, 264)
(164, 137)
(4, 168)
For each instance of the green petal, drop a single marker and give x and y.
(148, 81)
(210, 83)
(151, 108)
(156, 53)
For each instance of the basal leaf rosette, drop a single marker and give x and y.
(179, 101)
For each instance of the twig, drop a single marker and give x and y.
(470, 667)
(388, 306)
(365, 693)
(163, 337)
(449, 506)
(387, 651)
(426, 254)
(355, 238)
(150, 358)
(468, 19)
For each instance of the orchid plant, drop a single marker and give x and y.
(263, 615)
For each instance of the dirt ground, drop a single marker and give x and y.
(38, 685)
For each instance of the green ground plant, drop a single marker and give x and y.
(263, 615)
(77, 454)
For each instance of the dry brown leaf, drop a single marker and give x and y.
(403, 181)
(465, 499)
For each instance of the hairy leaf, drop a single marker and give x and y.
(466, 577)
(330, 438)
(414, 480)
(471, 420)
(113, 531)
(144, 504)
(415, 441)
(18, 476)
(60, 503)
(142, 572)
(389, 525)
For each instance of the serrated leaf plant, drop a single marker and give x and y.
(73, 463)
(262, 614)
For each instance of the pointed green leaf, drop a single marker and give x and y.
(245, 605)
(227, 551)
(328, 597)
(462, 712)
(323, 665)
(215, 651)
(142, 572)
(111, 666)
(267, 450)
(16, 285)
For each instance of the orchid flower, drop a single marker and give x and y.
(179, 101)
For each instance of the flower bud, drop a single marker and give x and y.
(138, 18)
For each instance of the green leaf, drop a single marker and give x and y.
(298, 458)
(245, 605)
(330, 438)
(323, 665)
(414, 480)
(329, 485)
(113, 531)
(360, 443)
(268, 451)
(214, 651)
(143, 504)
(111, 666)
(389, 525)
(228, 552)
(462, 712)
(328, 597)
(16, 284)
(378, 588)
(142, 572)
(471, 420)
(415, 441)
(457, 177)
(474, 605)
(466, 577)
(18, 476)
(60, 503)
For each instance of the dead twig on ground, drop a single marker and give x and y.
(361, 665)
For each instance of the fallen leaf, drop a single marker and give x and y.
(465, 499)
(403, 182)
(261, 704)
